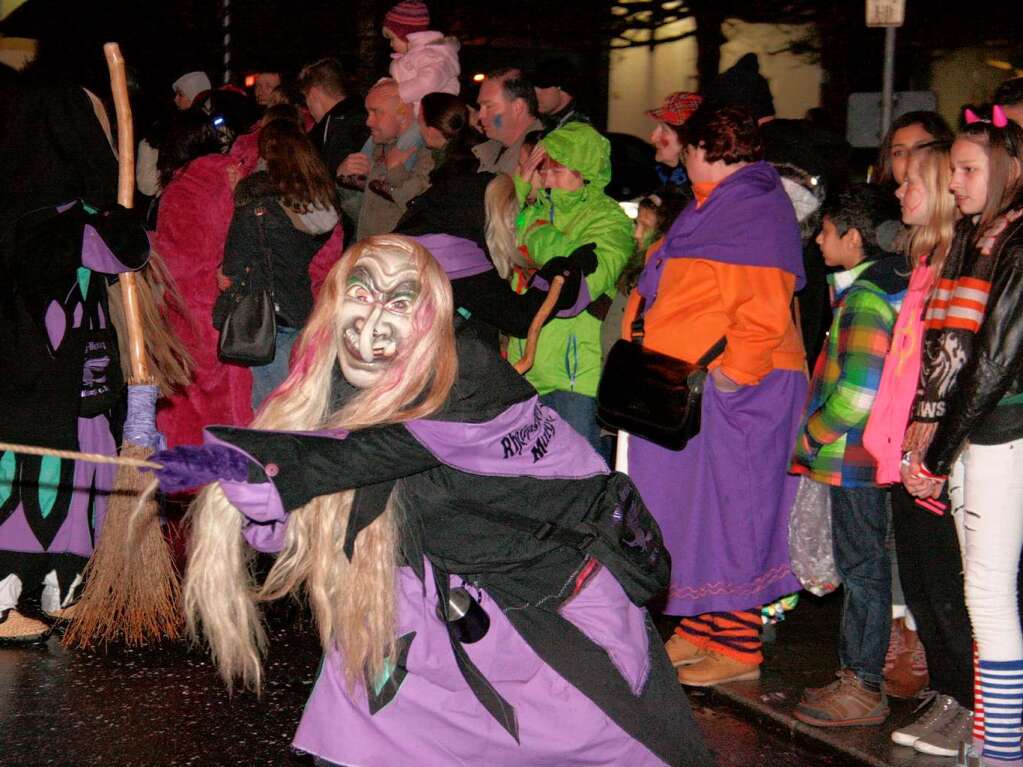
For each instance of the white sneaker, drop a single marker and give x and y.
(945, 740)
(941, 710)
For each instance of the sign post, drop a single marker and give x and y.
(889, 14)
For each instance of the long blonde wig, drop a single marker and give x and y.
(932, 240)
(354, 602)
(502, 206)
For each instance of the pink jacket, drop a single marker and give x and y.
(429, 66)
(889, 416)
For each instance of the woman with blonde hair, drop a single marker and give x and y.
(469, 559)
(927, 547)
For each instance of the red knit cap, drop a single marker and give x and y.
(407, 17)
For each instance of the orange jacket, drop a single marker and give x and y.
(699, 301)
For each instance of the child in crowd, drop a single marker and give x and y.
(930, 565)
(657, 212)
(867, 292)
(424, 61)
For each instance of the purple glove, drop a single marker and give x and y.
(189, 466)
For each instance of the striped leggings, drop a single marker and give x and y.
(991, 497)
(735, 635)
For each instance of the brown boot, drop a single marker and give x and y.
(16, 628)
(905, 675)
(717, 669)
(843, 703)
(682, 652)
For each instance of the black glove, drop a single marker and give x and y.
(585, 258)
(567, 269)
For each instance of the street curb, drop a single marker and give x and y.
(758, 702)
(800, 733)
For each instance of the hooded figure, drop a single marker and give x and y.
(61, 241)
(568, 357)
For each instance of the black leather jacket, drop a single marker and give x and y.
(977, 409)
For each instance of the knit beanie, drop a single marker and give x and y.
(192, 84)
(407, 17)
(741, 86)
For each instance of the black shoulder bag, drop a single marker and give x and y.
(652, 395)
(248, 335)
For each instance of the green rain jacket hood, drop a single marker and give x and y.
(568, 356)
(579, 147)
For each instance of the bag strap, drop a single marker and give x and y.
(264, 245)
(713, 352)
(540, 531)
(638, 333)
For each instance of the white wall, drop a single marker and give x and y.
(640, 78)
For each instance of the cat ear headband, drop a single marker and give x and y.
(998, 118)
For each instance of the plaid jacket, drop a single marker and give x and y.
(848, 372)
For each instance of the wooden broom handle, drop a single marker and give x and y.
(126, 197)
(533, 336)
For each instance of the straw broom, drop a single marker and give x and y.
(132, 588)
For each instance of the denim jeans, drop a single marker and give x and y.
(859, 520)
(579, 412)
(266, 378)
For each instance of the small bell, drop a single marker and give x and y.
(467, 621)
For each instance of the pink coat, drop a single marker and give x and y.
(429, 66)
(195, 212)
(889, 416)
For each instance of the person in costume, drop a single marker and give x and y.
(62, 240)
(727, 269)
(402, 467)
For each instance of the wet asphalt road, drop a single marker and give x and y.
(167, 706)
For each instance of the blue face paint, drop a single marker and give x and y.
(498, 121)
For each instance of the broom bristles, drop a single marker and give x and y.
(132, 592)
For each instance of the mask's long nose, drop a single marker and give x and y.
(368, 331)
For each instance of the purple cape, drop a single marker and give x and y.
(748, 220)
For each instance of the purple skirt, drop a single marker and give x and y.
(723, 502)
(435, 720)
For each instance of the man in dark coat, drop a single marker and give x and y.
(340, 128)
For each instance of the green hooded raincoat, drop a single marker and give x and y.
(568, 355)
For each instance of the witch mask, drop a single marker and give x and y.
(376, 314)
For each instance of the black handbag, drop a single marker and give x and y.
(248, 333)
(652, 395)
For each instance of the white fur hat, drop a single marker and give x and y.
(192, 84)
